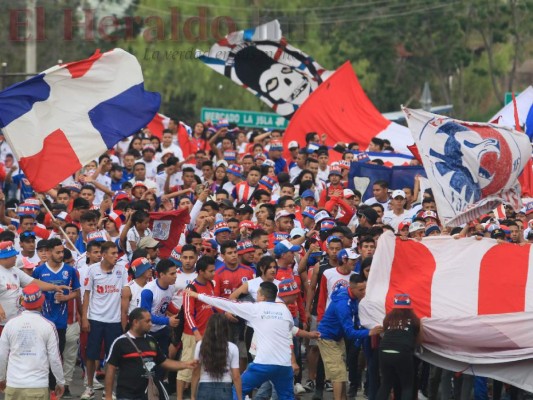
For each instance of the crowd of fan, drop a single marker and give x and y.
(255, 215)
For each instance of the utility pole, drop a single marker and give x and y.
(31, 38)
(425, 99)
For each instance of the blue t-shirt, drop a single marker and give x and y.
(25, 188)
(66, 275)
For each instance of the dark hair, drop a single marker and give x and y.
(93, 243)
(7, 236)
(88, 187)
(256, 233)
(214, 347)
(136, 314)
(400, 318)
(228, 244)
(63, 191)
(164, 265)
(23, 217)
(382, 183)
(357, 278)
(283, 200)
(189, 247)
(139, 216)
(192, 235)
(204, 262)
(138, 253)
(264, 264)
(378, 205)
(260, 192)
(378, 142)
(51, 243)
(67, 254)
(108, 245)
(366, 239)
(81, 203)
(88, 216)
(255, 168)
(269, 290)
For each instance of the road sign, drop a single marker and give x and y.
(245, 118)
(509, 97)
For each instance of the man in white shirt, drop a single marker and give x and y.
(28, 348)
(272, 323)
(380, 190)
(397, 213)
(167, 145)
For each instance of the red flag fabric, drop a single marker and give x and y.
(340, 108)
(167, 227)
(413, 149)
(526, 180)
(158, 125)
(183, 140)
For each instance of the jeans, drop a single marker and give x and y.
(266, 392)
(281, 377)
(214, 391)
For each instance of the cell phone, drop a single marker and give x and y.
(199, 189)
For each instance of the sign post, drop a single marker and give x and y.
(242, 118)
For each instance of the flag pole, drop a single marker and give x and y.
(40, 197)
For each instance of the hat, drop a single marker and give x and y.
(260, 156)
(293, 145)
(335, 170)
(210, 243)
(268, 182)
(221, 226)
(398, 193)
(498, 234)
(245, 246)
(285, 246)
(321, 215)
(297, 232)
(327, 225)
(432, 228)
(403, 224)
(370, 214)
(245, 209)
(347, 254)
(140, 266)
(235, 169)
(27, 235)
(230, 155)
(139, 184)
(312, 147)
(28, 209)
(220, 163)
(98, 236)
(529, 208)
(32, 297)
(270, 163)
(247, 224)
(491, 227)
(117, 217)
(308, 193)
(62, 216)
(42, 244)
(25, 263)
(283, 213)
(429, 214)
(329, 239)
(226, 203)
(7, 250)
(121, 195)
(344, 164)
(148, 147)
(148, 242)
(74, 186)
(287, 287)
(402, 301)
(276, 145)
(347, 193)
(175, 256)
(280, 236)
(416, 226)
(309, 212)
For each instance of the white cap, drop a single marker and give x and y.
(348, 193)
(416, 226)
(297, 232)
(293, 144)
(321, 215)
(283, 213)
(399, 193)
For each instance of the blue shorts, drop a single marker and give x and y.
(101, 331)
(281, 377)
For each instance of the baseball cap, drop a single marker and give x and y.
(307, 193)
(429, 214)
(283, 213)
(402, 301)
(268, 182)
(287, 287)
(247, 224)
(7, 250)
(347, 254)
(285, 246)
(148, 147)
(140, 266)
(347, 193)
(335, 170)
(42, 244)
(327, 225)
(416, 226)
(175, 256)
(432, 228)
(97, 236)
(139, 184)
(321, 215)
(403, 225)
(309, 212)
(148, 242)
(74, 186)
(293, 145)
(276, 145)
(62, 216)
(221, 226)
(245, 209)
(27, 235)
(297, 232)
(260, 156)
(226, 203)
(398, 193)
(245, 246)
(370, 214)
(32, 297)
(529, 208)
(235, 169)
(498, 234)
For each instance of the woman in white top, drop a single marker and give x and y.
(267, 269)
(219, 364)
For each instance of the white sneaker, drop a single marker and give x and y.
(113, 396)
(97, 385)
(299, 389)
(88, 394)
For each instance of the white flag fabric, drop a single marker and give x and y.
(472, 167)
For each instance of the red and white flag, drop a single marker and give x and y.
(167, 227)
(475, 298)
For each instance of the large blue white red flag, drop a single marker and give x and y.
(472, 168)
(477, 318)
(68, 115)
(524, 108)
(260, 60)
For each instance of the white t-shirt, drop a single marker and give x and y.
(389, 218)
(133, 236)
(373, 200)
(136, 290)
(106, 290)
(176, 151)
(12, 280)
(151, 168)
(253, 286)
(182, 280)
(232, 363)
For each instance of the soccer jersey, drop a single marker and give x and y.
(135, 300)
(156, 300)
(228, 280)
(11, 282)
(196, 312)
(332, 280)
(182, 280)
(56, 312)
(106, 290)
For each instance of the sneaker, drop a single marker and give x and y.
(88, 394)
(328, 387)
(309, 386)
(113, 396)
(352, 392)
(97, 385)
(67, 394)
(318, 395)
(298, 388)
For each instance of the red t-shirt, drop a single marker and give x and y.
(228, 280)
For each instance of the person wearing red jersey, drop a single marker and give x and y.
(196, 314)
(335, 278)
(335, 187)
(228, 278)
(244, 191)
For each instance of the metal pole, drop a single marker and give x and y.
(3, 75)
(31, 38)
